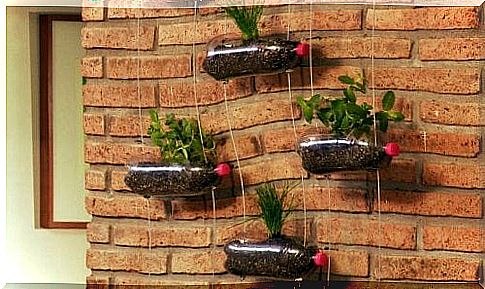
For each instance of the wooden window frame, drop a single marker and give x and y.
(46, 127)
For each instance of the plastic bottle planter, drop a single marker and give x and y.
(325, 154)
(238, 58)
(174, 180)
(276, 257)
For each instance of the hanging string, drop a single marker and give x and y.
(214, 234)
(290, 95)
(231, 133)
(241, 180)
(379, 224)
(194, 61)
(138, 90)
(329, 227)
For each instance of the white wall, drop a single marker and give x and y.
(32, 255)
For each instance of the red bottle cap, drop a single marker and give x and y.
(302, 49)
(392, 149)
(223, 170)
(320, 259)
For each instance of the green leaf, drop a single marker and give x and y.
(350, 95)
(395, 116)
(388, 100)
(84, 81)
(383, 119)
(346, 79)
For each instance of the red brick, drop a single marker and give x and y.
(92, 67)
(423, 18)
(125, 206)
(188, 33)
(142, 261)
(349, 263)
(451, 113)
(181, 93)
(426, 268)
(247, 146)
(97, 280)
(450, 144)
(362, 47)
(93, 124)
(468, 239)
(117, 10)
(453, 175)
(120, 125)
(366, 232)
(95, 179)
(255, 231)
(439, 80)
(132, 67)
(341, 199)
(296, 227)
(125, 37)
(198, 262)
(92, 13)
(431, 203)
(98, 232)
(400, 170)
(118, 181)
(286, 167)
(452, 49)
(119, 153)
(323, 77)
(141, 235)
(248, 115)
(283, 140)
(119, 95)
(225, 208)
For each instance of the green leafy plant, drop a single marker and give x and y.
(274, 206)
(246, 19)
(181, 142)
(344, 116)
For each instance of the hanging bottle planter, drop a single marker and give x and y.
(249, 55)
(279, 256)
(174, 180)
(189, 156)
(322, 154)
(254, 56)
(349, 123)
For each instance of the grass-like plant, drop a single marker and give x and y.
(275, 207)
(246, 19)
(181, 142)
(344, 116)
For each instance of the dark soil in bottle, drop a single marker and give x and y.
(170, 180)
(276, 257)
(322, 158)
(253, 57)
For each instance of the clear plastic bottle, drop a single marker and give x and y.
(228, 57)
(277, 257)
(323, 154)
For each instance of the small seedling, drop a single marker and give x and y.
(246, 19)
(181, 142)
(344, 116)
(275, 207)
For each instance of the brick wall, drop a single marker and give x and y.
(431, 222)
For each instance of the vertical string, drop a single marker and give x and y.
(241, 180)
(214, 234)
(329, 227)
(138, 90)
(194, 61)
(290, 95)
(234, 147)
(378, 178)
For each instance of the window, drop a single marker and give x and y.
(61, 134)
